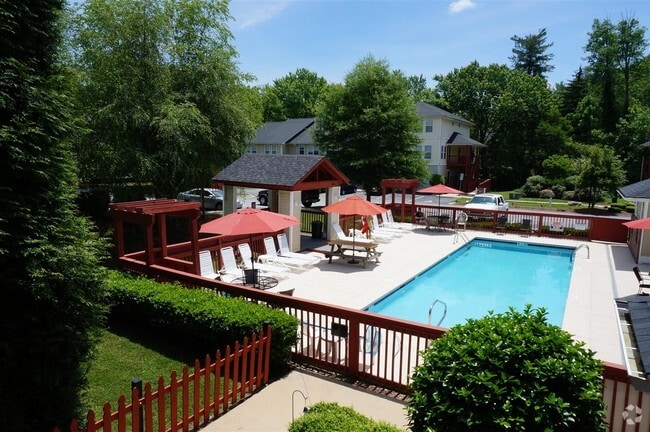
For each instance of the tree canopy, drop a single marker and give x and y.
(159, 92)
(369, 127)
(293, 96)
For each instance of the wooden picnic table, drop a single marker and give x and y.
(362, 250)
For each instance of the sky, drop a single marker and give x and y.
(418, 37)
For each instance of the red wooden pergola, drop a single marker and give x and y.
(150, 213)
(404, 185)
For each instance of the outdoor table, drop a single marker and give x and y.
(262, 282)
(363, 250)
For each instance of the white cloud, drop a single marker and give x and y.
(251, 13)
(461, 5)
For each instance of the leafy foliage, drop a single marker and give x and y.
(601, 171)
(369, 126)
(49, 259)
(330, 417)
(507, 372)
(293, 96)
(159, 92)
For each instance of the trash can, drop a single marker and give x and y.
(316, 230)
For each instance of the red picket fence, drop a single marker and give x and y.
(193, 400)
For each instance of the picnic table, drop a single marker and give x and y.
(361, 249)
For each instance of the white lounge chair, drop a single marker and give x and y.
(246, 257)
(229, 270)
(389, 221)
(207, 266)
(340, 234)
(284, 250)
(271, 256)
(377, 227)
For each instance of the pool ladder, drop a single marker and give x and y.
(444, 313)
(460, 236)
(575, 251)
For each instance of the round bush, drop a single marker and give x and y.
(546, 193)
(507, 372)
(533, 185)
(330, 417)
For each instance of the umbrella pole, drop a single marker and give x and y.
(354, 236)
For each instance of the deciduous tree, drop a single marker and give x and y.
(160, 92)
(368, 127)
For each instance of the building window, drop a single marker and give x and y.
(443, 152)
(427, 151)
(428, 125)
(270, 149)
(252, 149)
(301, 150)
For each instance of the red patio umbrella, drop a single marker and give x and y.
(439, 189)
(638, 223)
(354, 205)
(249, 221)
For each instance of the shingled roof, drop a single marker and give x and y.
(281, 172)
(291, 131)
(428, 110)
(638, 190)
(457, 138)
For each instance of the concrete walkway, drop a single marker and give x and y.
(270, 409)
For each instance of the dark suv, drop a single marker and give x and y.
(307, 197)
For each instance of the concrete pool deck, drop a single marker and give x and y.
(590, 315)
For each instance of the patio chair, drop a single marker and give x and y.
(380, 228)
(246, 258)
(643, 281)
(341, 235)
(390, 221)
(526, 226)
(206, 265)
(271, 256)
(230, 270)
(461, 221)
(502, 222)
(284, 250)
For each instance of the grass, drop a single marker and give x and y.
(124, 354)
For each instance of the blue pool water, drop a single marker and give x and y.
(485, 275)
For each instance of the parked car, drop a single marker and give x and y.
(485, 201)
(212, 198)
(348, 189)
(307, 197)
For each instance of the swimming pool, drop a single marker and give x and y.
(485, 275)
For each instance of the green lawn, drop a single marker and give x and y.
(123, 355)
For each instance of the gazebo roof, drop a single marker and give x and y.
(281, 172)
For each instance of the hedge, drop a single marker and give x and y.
(199, 317)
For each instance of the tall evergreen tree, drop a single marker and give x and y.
(50, 283)
(529, 54)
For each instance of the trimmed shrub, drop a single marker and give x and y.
(507, 372)
(436, 179)
(533, 185)
(546, 193)
(558, 191)
(330, 417)
(197, 317)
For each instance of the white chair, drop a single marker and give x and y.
(229, 270)
(271, 256)
(246, 257)
(390, 221)
(207, 266)
(340, 234)
(284, 250)
(377, 227)
(461, 221)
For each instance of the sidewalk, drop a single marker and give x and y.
(270, 409)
